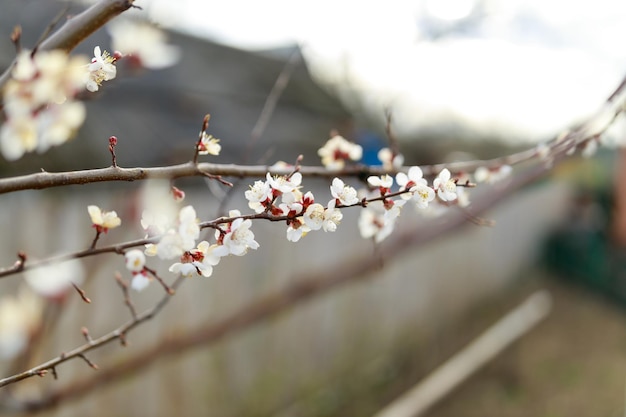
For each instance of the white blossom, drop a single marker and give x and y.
(344, 193)
(200, 260)
(389, 160)
(140, 281)
(297, 229)
(135, 260)
(423, 195)
(103, 220)
(144, 43)
(237, 239)
(445, 186)
(20, 315)
(259, 195)
(283, 184)
(378, 220)
(337, 150)
(410, 181)
(185, 269)
(100, 69)
(314, 216)
(384, 181)
(209, 145)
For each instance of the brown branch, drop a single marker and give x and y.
(304, 288)
(93, 343)
(42, 180)
(124, 286)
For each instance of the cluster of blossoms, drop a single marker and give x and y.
(40, 105)
(39, 102)
(378, 218)
(281, 196)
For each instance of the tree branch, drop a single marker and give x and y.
(80, 351)
(304, 288)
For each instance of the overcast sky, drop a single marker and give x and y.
(527, 66)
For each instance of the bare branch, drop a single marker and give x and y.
(93, 343)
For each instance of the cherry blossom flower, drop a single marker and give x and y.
(292, 203)
(209, 145)
(188, 228)
(140, 281)
(154, 223)
(337, 150)
(282, 184)
(319, 217)
(39, 102)
(259, 196)
(344, 194)
(103, 220)
(332, 217)
(423, 195)
(237, 239)
(199, 261)
(20, 316)
(297, 229)
(389, 160)
(135, 260)
(178, 238)
(377, 222)
(135, 263)
(384, 183)
(143, 43)
(410, 181)
(445, 186)
(314, 216)
(18, 136)
(100, 69)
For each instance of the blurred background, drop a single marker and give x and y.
(463, 79)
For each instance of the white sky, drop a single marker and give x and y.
(533, 66)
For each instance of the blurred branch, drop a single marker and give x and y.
(79, 27)
(305, 287)
(79, 352)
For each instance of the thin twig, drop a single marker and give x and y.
(82, 293)
(124, 286)
(48, 30)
